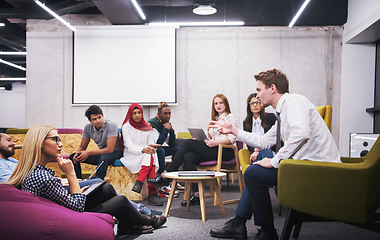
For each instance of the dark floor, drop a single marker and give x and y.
(183, 224)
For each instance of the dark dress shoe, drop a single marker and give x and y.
(137, 187)
(159, 181)
(158, 220)
(231, 229)
(154, 200)
(265, 234)
(140, 229)
(193, 201)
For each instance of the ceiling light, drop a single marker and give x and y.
(204, 10)
(196, 23)
(2, 24)
(54, 15)
(298, 13)
(12, 65)
(139, 10)
(12, 53)
(12, 79)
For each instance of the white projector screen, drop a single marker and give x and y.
(117, 65)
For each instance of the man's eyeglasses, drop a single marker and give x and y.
(57, 139)
(254, 103)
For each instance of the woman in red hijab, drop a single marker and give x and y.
(139, 150)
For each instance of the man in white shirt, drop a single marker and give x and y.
(298, 120)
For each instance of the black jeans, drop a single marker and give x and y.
(193, 152)
(106, 200)
(108, 158)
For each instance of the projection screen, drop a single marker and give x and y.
(117, 65)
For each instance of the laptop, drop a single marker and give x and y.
(91, 189)
(196, 174)
(197, 133)
(92, 174)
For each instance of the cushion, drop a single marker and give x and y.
(28, 216)
(118, 163)
(230, 162)
(69, 130)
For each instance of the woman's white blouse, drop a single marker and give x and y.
(134, 142)
(214, 134)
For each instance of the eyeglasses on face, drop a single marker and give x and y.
(57, 139)
(254, 103)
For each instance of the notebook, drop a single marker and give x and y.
(196, 174)
(197, 133)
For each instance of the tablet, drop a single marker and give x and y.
(93, 187)
(197, 133)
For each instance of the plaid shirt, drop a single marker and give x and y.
(42, 182)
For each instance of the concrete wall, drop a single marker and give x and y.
(358, 73)
(12, 106)
(209, 61)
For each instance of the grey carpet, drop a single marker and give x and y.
(183, 224)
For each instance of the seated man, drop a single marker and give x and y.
(297, 120)
(105, 134)
(162, 124)
(8, 165)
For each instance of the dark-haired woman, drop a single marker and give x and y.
(258, 122)
(138, 142)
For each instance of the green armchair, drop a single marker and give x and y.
(322, 191)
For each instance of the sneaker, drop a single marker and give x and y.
(154, 200)
(180, 187)
(154, 212)
(163, 193)
(167, 189)
(193, 201)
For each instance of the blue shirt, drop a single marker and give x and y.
(7, 166)
(42, 182)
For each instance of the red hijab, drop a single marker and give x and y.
(142, 125)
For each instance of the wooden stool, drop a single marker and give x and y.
(200, 180)
(123, 181)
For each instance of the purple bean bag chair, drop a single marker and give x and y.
(25, 215)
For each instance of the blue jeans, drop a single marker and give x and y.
(108, 158)
(244, 209)
(162, 152)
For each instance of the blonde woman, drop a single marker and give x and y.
(41, 144)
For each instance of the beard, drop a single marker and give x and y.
(7, 153)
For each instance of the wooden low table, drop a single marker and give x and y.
(200, 180)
